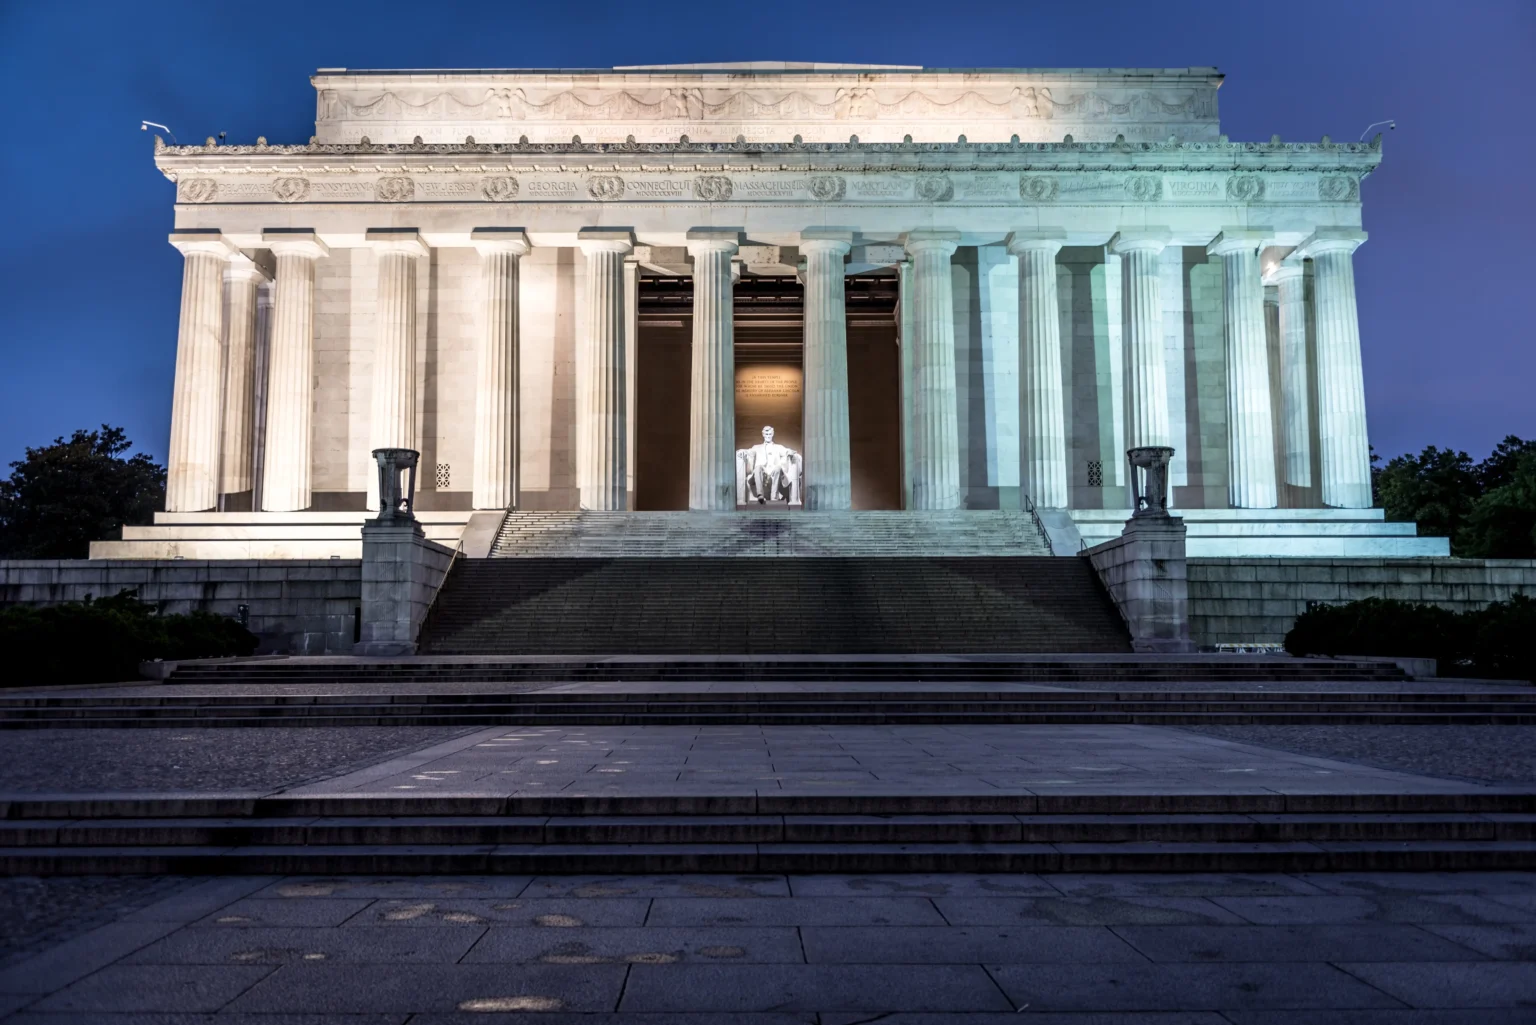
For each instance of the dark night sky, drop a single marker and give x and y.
(89, 289)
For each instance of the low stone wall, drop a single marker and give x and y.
(297, 606)
(1255, 601)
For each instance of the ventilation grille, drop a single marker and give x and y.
(1095, 473)
(444, 476)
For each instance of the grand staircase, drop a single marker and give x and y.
(771, 582)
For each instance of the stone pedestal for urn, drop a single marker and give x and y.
(1145, 569)
(402, 570)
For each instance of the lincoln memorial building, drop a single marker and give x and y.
(945, 290)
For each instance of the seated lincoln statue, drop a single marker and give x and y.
(768, 472)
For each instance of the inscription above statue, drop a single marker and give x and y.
(768, 472)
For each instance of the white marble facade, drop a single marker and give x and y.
(1083, 258)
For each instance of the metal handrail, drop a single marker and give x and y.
(1045, 537)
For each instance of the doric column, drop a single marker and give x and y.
(1250, 423)
(631, 372)
(393, 410)
(908, 374)
(263, 347)
(601, 381)
(285, 484)
(241, 280)
(712, 390)
(1141, 301)
(496, 379)
(828, 467)
(1346, 450)
(935, 420)
(1295, 403)
(1042, 415)
(192, 473)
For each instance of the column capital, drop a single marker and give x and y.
(295, 242)
(933, 240)
(406, 241)
(242, 268)
(718, 240)
(1331, 240)
(1238, 240)
(1287, 269)
(605, 240)
(1048, 240)
(838, 241)
(202, 240)
(1142, 240)
(500, 240)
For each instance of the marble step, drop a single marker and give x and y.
(778, 858)
(756, 829)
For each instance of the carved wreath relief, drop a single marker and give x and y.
(396, 189)
(935, 188)
(1338, 189)
(606, 187)
(1245, 188)
(1038, 190)
(828, 188)
(290, 190)
(498, 189)
(1146, 188)
(197, 190)
(713, 188)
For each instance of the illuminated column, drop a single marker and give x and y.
(286, 470)
(908, 374)
(601, 382)
(393, 421)
(1043, 419)
(828, 467)
(241, 280)
(935, 419)
(1141, 300)
(496, 379)
(1295, 403)
(192, 471)
(1346, 450)
(1250, 424)
(712, 389)
(631, 372)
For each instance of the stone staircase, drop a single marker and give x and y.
(804, 605)
(769, 534)
(765, 832)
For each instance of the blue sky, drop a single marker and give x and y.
(89, 289)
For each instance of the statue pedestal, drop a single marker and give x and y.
(1146, 573)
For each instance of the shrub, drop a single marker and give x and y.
(105, 640)
(1494, 642)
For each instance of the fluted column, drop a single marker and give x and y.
(1141, 301)
(192, 471)
(631, 372)
(828, 466)
(262, 345)
(1295, 401)
(935, 420)
(712, 389)
(1346, 450)
(392, 423)
(496, 378)
(1042, 416)
(241, 280)
(1250, 424)
(601, 382)
(908, 374)
(286, 470)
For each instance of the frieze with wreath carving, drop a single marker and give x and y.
(1338, 189)
(713, 188)
(197, 190)
(290, 190)
(1144, 188)
(935, 188)
(828, 188)
(395, 189)
(498, 189)
(1245, 188)
(605, 188)
(1039, 190)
